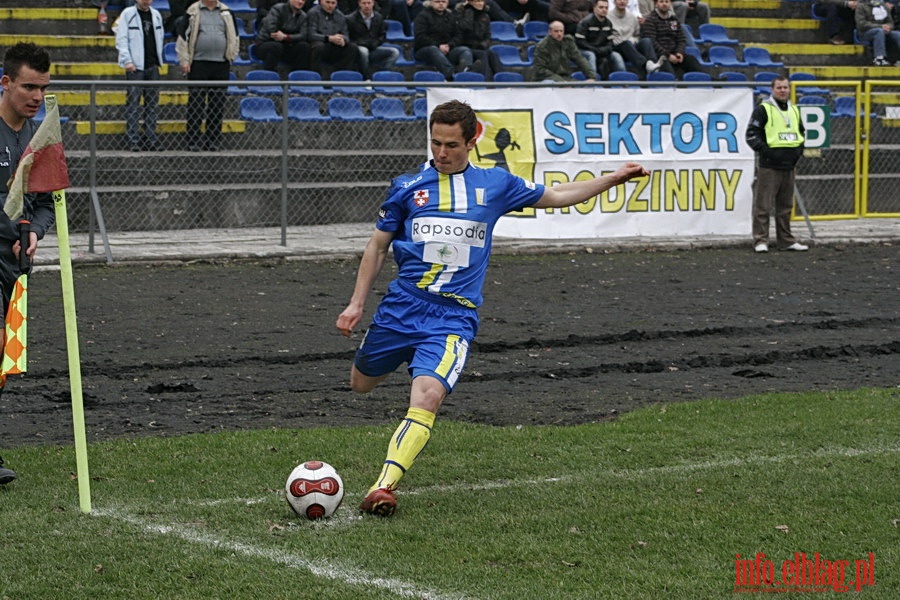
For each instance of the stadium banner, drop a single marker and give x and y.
(691, 139)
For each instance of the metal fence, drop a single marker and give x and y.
(286, 160)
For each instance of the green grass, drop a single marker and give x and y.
(654, 505)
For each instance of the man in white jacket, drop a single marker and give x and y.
(139, 40)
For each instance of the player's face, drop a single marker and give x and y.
(449, 149)
(25, 94)
(781, 90)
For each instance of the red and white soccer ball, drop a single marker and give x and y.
(314, 490)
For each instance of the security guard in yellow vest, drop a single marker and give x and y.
(776, 134)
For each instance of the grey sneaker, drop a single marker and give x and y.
(6, 475)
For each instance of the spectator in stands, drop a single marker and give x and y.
(406, 12)
(776, 133)
(329, 39)
(664, 30)
(262, 9)
(26, 76)
(439, 40)
(569, 13)
(368, 30)
(139, 40)
(475, 33)
(594, 37)
(627, 39)
(839, 17)
(876, 25)
(554, 55)
(281, 37)
(206, 48)
(694, 9)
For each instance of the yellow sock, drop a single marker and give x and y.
(409, 440)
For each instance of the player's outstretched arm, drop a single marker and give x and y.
(369, 267)
(573, 192)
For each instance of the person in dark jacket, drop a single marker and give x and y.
(329, 39)
(569, 13)
(776, 133)
(669, 41)
(594, 37)
(368, 31)
(555, 54)
(438, 41)
(475, 33)
(282, 36)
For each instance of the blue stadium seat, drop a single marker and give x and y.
(660, 76)
(505, 31)
(251, 53)
(170, 57)
(389, 109)
(469, 77)
(263, 75)
(305, 109)
(696, 76)
(303, 75)
(695, 52)
(391, 77)
(235, 90)
(509, 76)
(395, 33)
(350, 76)
(623, 76)
(241, 27)
(712, 33)
(844, 106)
(235, 6)
(509, 56)
(725, 56)
(759, 57)
(535, 31)
(733, 76)
(427, 77)
(813, 99)
(261, 110)
(420, 108)
(347, 109)
(402, 59)
(802, 76)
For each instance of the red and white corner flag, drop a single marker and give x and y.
(42, 167)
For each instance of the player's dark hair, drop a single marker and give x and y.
(780, 78)
(453, 112)
(28, 54)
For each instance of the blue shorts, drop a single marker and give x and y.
(431, 334)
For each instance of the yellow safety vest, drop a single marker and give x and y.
(782, 126)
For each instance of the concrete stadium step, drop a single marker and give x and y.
(771, 29)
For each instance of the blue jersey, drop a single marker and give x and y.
(443, 224)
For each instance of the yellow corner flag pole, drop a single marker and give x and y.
(68, 290)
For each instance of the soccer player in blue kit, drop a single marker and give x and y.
(439, 220)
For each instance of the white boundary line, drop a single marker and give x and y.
(353, 576)
(318, 567)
